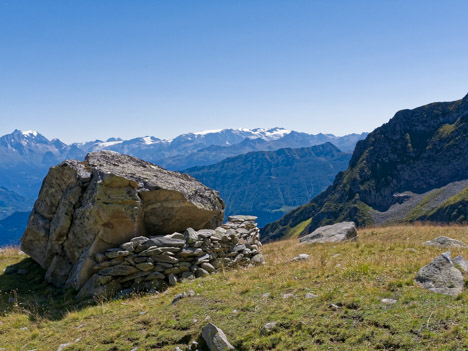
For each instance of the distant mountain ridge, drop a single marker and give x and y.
(268, 184)
(11, 202)
(413, 168)
(25, 157)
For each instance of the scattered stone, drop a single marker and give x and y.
(64, 346)
(441, 276)
(334, 307)
(389, 301)
(215, 338)
(443, 241)
(258, 259)
(344, 231)
(288, 296)
(179, 297)
(266, 295)
(301, 257)
(310, 296)
(461, 263)
(269, 328)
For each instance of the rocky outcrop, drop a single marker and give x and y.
(417, 151)
(345, 231)
(441, 276)
(146, 264)
(86, 208)
(443, 241)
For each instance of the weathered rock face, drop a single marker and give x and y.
(146, 264)
(441, 276)
(215, 338)
(344, 231)
(443, 241)
(85, 208)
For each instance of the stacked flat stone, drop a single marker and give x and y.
(153, 263)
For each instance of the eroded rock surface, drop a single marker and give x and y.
(85, 208)
(343, 231)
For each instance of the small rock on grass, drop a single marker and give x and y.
(288, 296)
(269, 328)
(215, 338)
(301, 257)
(389, 301)
(310, 296)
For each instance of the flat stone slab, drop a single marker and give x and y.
(241, 218)
(344, 231)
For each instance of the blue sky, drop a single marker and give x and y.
(85, 70)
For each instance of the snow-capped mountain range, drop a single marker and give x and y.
(25, 156)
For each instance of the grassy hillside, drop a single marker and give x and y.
(349, 279)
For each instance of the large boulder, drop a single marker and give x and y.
(441, 276)
(87, 207)
(443, 241)
(344, 231)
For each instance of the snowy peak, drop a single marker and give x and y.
(266, 134)
(30, 133)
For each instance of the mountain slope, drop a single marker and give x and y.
(12, 228)
(268, 184)
(416, 152)
(11, 202)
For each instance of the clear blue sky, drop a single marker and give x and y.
(82, 70)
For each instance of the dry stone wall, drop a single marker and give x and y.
(153, 263)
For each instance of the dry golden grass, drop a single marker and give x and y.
(350, 280)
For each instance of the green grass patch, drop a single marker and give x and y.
(298, 229)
